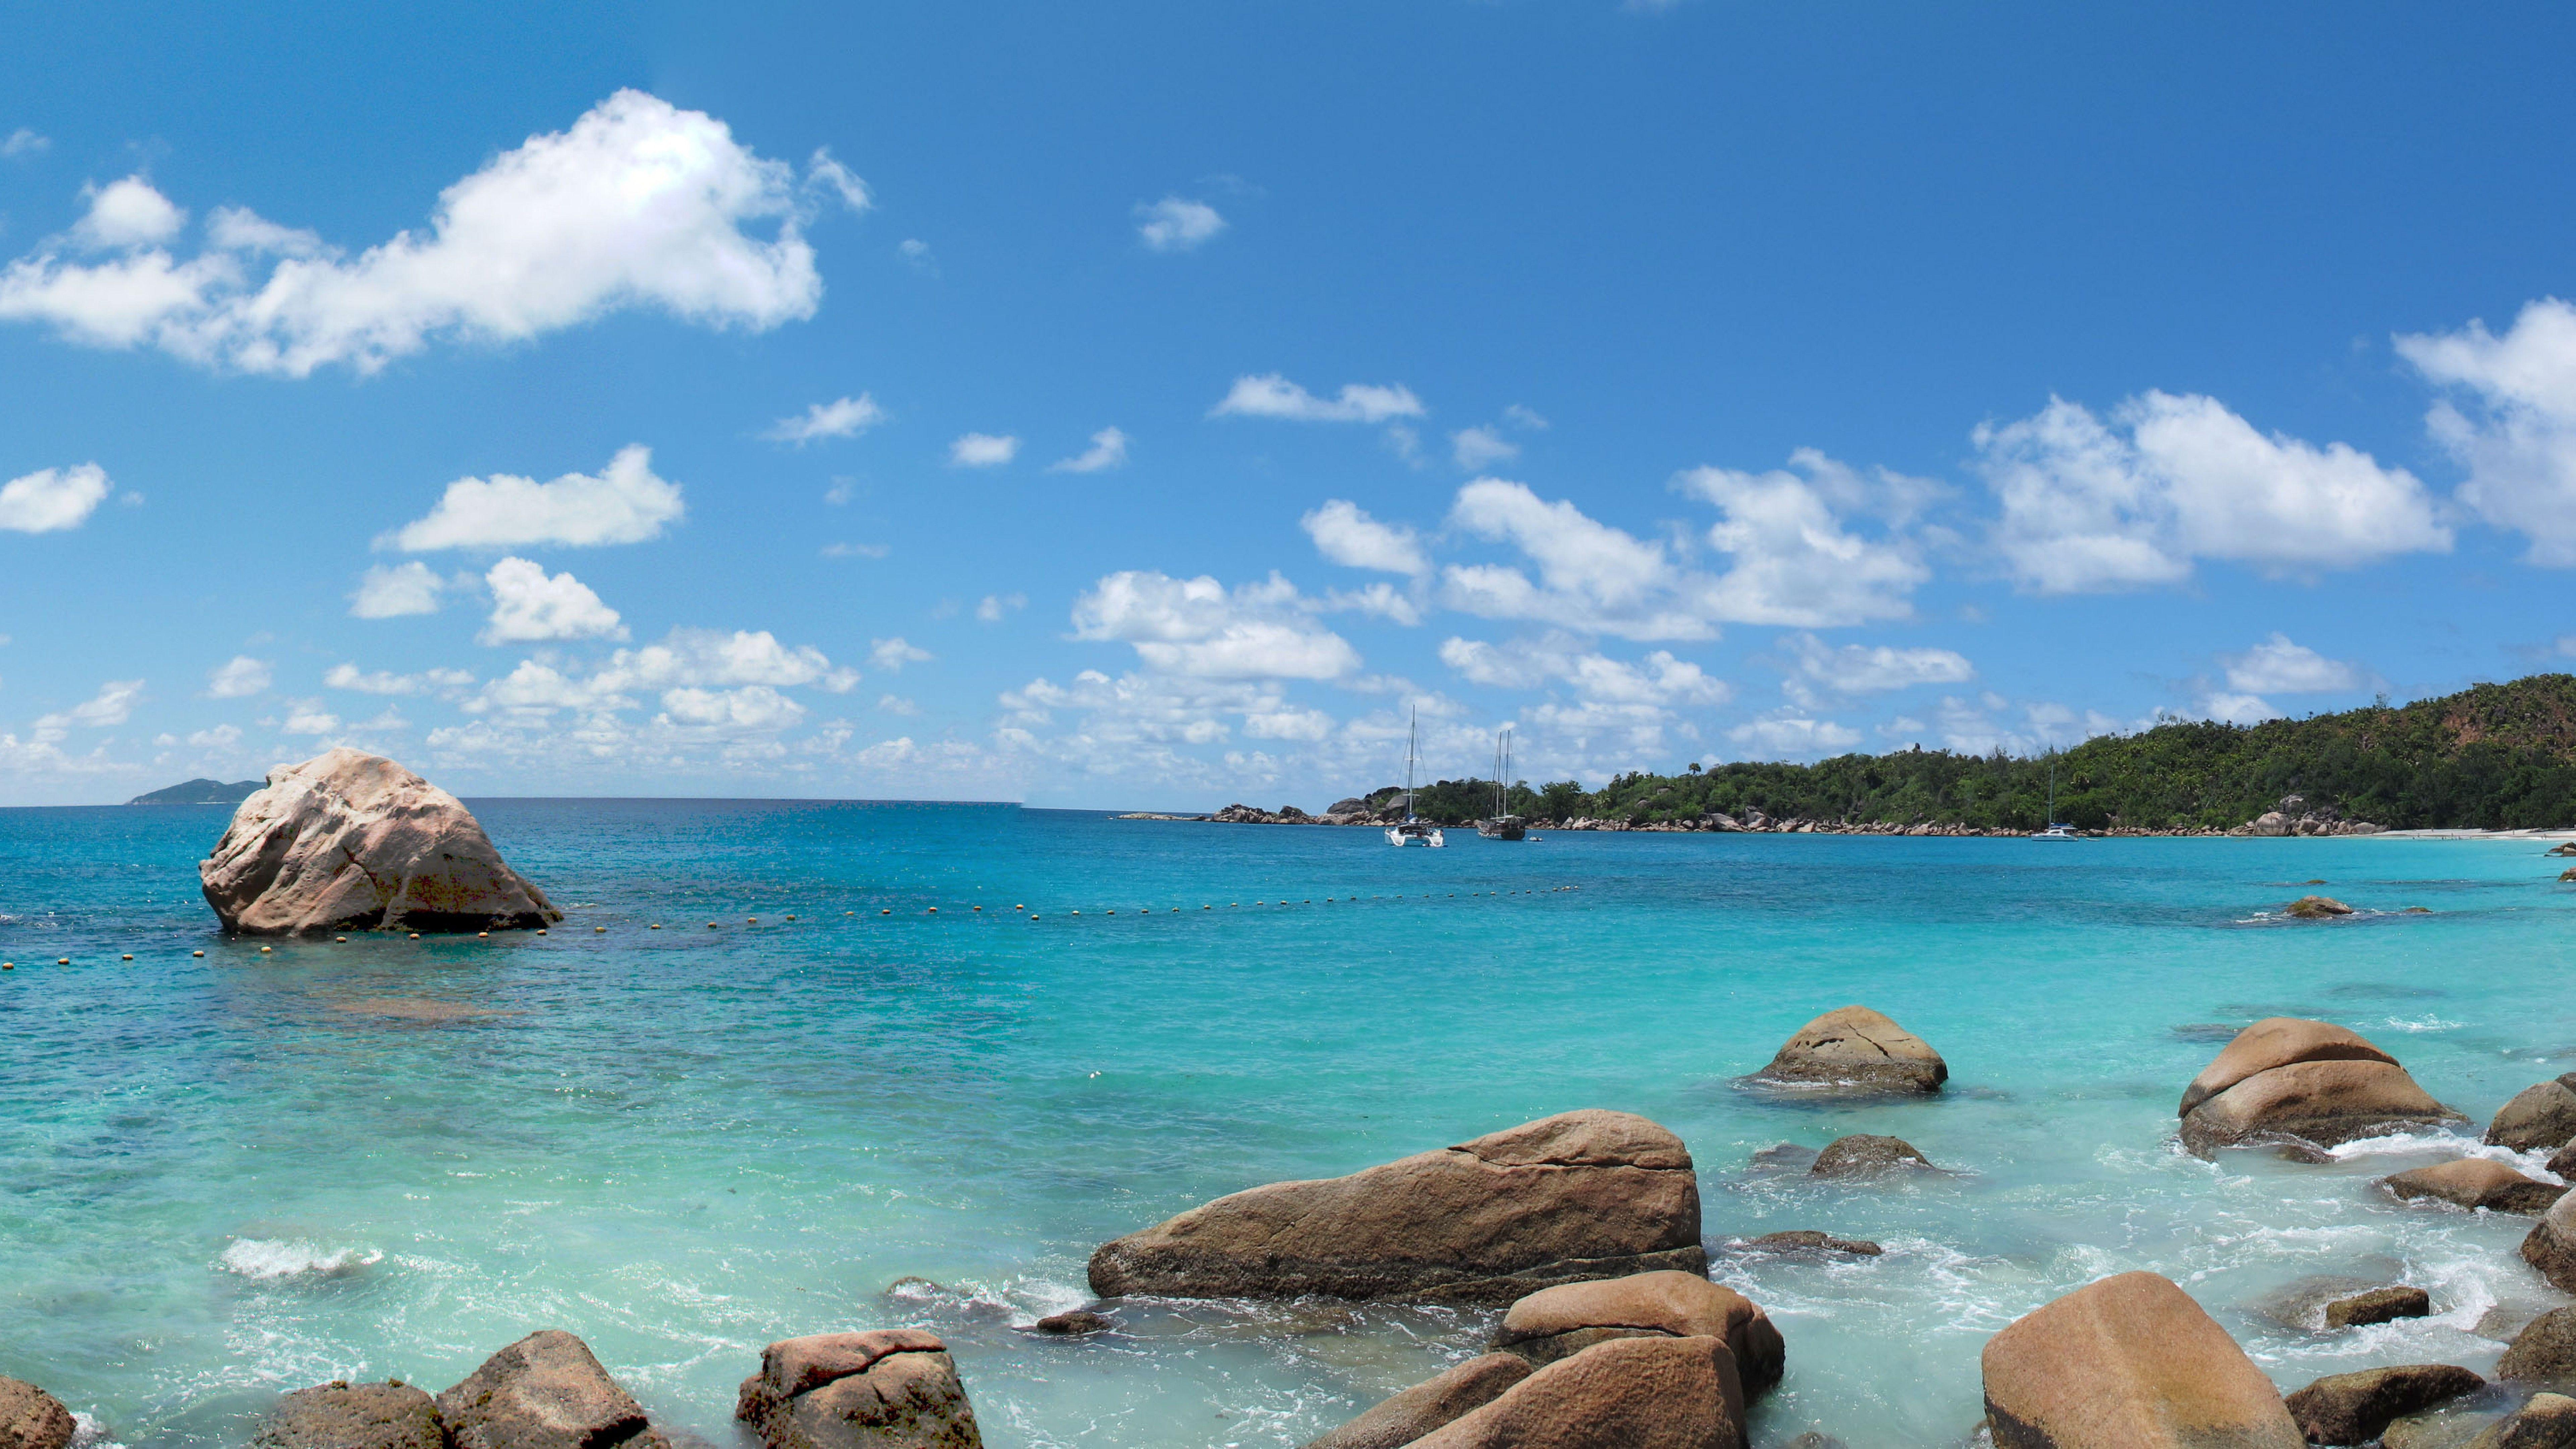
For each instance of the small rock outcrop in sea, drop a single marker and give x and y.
(2130, 1361)
(1634, 1393)
(1403, 1418)
(2379, 1305)
(343, 1415)
(2477, 1182)
(2356, 1408)
(2551, 1244)
(1855, 1049)
(2544, 1351)
(1074, 1324)
(2538, 1116)
(2545, 1421)
(1808, 1241)
(893, 1388)
(30, 1418)
(354, 842)
(546, 1391)
(1865, 1155)
(1560, 1322)
(2285, 1078)
(2316, 908)
(1576, 1196)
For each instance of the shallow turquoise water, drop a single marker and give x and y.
(225, 1177)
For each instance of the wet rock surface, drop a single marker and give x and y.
(1864, 1155)
(547, 1391)
(2538, 1116)
(2477, 1182)
(354, 1416)
(1405, 1417)
(1559, 1322)
(2132, 1361)
(2551, 1245)
(894, 1388)
(1630, 1393)
(2544, 1351)
(1807, 1242)
(1854, 1050)
(30, 1418)
(2379, 1305)
(2356, 1408)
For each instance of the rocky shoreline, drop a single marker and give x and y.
(2294, 817)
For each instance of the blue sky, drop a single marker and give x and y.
(1153, 405)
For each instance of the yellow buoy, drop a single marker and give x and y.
(12, 965)
(482, 935)
(66, 961)
(934, 910)
(541, 930)
(599, 930)
(751, 920)
(888, 911)
(657, 925)
(711, 925)
(343, 940)
(791, 918)
(196, 953)
(129, 956)
(979, 908)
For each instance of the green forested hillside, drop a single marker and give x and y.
(2496, 756)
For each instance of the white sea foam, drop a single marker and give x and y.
(2426, 1022)
(271, 1260)
(86, 1433)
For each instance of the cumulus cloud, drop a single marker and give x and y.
(308, 717)
(1479, 448)
(753, 707)
(52, 499)
(622, 503)
(1196, 627)
(897, 704)
(2278, 666)
(2515, 427)
(1344, 533)
(982, 450)
(2091, 506)
(717, 658)
(1818, 669)
(1658, 679)
(112, 705)
(221, 737)
(392, 592)
(2237, 708)
(857, 550)
(1789, 735)
(1272, 395)
(1108, 449)
(1795, 559)
(841, 418)
(383, 681)
(529, 606)
(891, 655)
(993, 608)
(638, 204)
(1177, 224)
(23, 142)
(239, 679)
(1591, 576)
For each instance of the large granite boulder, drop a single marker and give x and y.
(2551, 1244)
(1402, 1418)
(893, 1388)
(2309, 1080)
(1854, 1049)
(1579, 1195)
(2545, 1350)
(2477, 1182)
(2129, 1361)
(1629, 1393)
(342, 1415)
(2356, 1408)
(30, 1418)
(544, 1392)
(2277, 1041)
(2539, 1116)
(1558, 1322)
(349, 841)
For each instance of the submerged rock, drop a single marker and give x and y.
(1078, 1321)
(2128, 1361)
(2544, 1351)
(1865, 1155)
(893, 1388)
(1405, 1417)
(1629, 1393)
(2356, 1408)
(546, 1391)
(2316, 908)
(2538, 1116)
(1808, 1240)
(1559, 1322)
(1576, 1196)
(30, 1418)
(2551, 1245)
(2277, 1041)
(349, 841)
(343, 1415)
(1857, 1050)
(2379, 1305)
(2477, 1182)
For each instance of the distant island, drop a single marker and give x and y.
(202, 792)
(2493, 757)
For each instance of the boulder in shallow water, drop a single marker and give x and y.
(349, 841)
(30, 1418)
(1559, 1322)
(2545, 1421)
(1566, 1198)
(2477, 1182)
(2326, 1103)
(2379, 1305)
(893, 1388)
(1073, 1324)
(1866, 1155)
(1629, 1393)
(2356, 1408)
(2538, 1116)
(2129, 1361)
(2551, 1244)
(1809, 1242)
(343, 1415)
(2544, 1351)
(546, 1391)
(2277, 1041)
(1855, 1049)
(1405, 1417)
(2316, 908)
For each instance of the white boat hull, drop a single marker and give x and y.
(1398, 836)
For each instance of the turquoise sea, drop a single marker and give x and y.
(225, 1177)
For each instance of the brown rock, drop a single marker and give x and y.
(1080, 1320)
(2477, 1182)
(354, 842)
(2277, 1041)
(1864, 1155)
(2325, 1103)
(2544, 1351)
(2551, 1244)
(2318, 908)
(2379, 1305)
(893, 1388)
(30, 1418)
(2538, 1116)
(1576, 1196)
(1426, 1406)
(354, 1416)
(1808, 1240)
(1629, 1393)
(1856, 1049)
(2545, 1421)
(2129, 1362)
(1558, 1322)
(2562, 1163)
(544, 1392)
(2356, 1408)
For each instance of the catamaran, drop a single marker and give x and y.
(1412, 831)
(1502, 825)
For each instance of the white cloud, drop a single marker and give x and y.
(897, 704)
(1381, 599)
(841, 418)
(221, 737)
(993, 607)
(623, 503)
(639, 204)
(2280, 667)
(1795, 561)
(24, 142)
(381, 681)
(239, 679)
(2517, 436)
(2089, 506)
(1344, 533)
(753, 707)
(390, 593)
(1787, 735)
(1480, 448)
(52, 499)
(1657, 680)
(1818, 669)
(982, 450)
(1524, 418)
(127, 213)
(891, 655)
(2238, 709)
(713, 657)
(1592, 577)
(857, 550)
(829, 178)
(1108, 449)
(1195, 627)
(1176, 224)
(917, 252)
(528, 606)
(1272, 395)
(112, 705)
(308, 717)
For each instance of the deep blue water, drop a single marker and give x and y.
(228, 1176)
